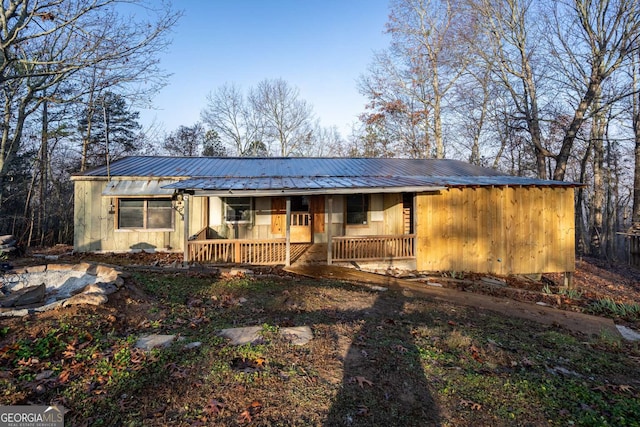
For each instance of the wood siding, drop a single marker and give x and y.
(95, 231)
(503, 230)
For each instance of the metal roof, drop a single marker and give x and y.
(301, 175)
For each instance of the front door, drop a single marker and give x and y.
(301, 220)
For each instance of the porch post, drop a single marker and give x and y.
(185, 219)
(329, 244)
(288, 232)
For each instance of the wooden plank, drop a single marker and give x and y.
(317, 208)
(278, 215)
(393, 214)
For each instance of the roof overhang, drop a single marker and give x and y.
(138, 188)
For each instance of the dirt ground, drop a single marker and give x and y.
(377, 358)
(593, 280)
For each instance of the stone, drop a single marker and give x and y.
(44, 375)
(25, 296)
(493, 281)
(628, 333)
(149, 342)
(297, 335)
(91, 298)
(100, 288)
(240, 336)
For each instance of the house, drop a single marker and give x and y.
(424, 214)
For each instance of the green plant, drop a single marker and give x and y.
(571, 293)
(546, 289)
(608, 306)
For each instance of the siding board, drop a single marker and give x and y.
(512, 230)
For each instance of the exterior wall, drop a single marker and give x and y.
(503, 230)
(94, 224)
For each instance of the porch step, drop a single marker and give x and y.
(315, 254)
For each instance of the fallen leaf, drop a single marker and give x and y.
(473, 405)
(244, 417)
(361, 381)
(247, 415)
(475, 353)
(214, 407)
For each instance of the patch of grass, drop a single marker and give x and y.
(376, 359)
(609, 307)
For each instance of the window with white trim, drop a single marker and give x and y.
(145, 214)
(238, 209)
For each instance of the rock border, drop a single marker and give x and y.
(108, 280)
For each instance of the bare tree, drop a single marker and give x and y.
(287, 119)
(594, 39)
(238, 125)
(193, 141)
(407, 86)
(46, 43)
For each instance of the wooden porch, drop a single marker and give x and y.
(274, 251)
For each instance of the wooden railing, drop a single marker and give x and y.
(239, 251)
(352, 248)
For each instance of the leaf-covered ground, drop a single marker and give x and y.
(377, 358)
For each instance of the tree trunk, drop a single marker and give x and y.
(635, 213)
(597, 206)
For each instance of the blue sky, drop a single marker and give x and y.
(320, 46)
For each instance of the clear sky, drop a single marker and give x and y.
(319, 46)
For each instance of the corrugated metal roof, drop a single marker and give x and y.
(296, 174)
(132, 188)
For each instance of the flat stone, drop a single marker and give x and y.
(44, 375)
(628, 333)
(25, 296)
(192, 345)
(241, 336)
(149, 342)
(493, 281)
(434, 284)
(100, 288)
(91, 298)
(297, 335)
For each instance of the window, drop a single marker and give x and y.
(145, 214)
(238, 209)
(357, 209)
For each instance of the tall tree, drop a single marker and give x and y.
(287, 118)
(509, 47)
(232, 117)
(408, 85)
(46, 43)
(193, 141)
(594, 39)
(115, 130)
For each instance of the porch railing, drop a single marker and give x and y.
(239, 251)
(352, 248)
